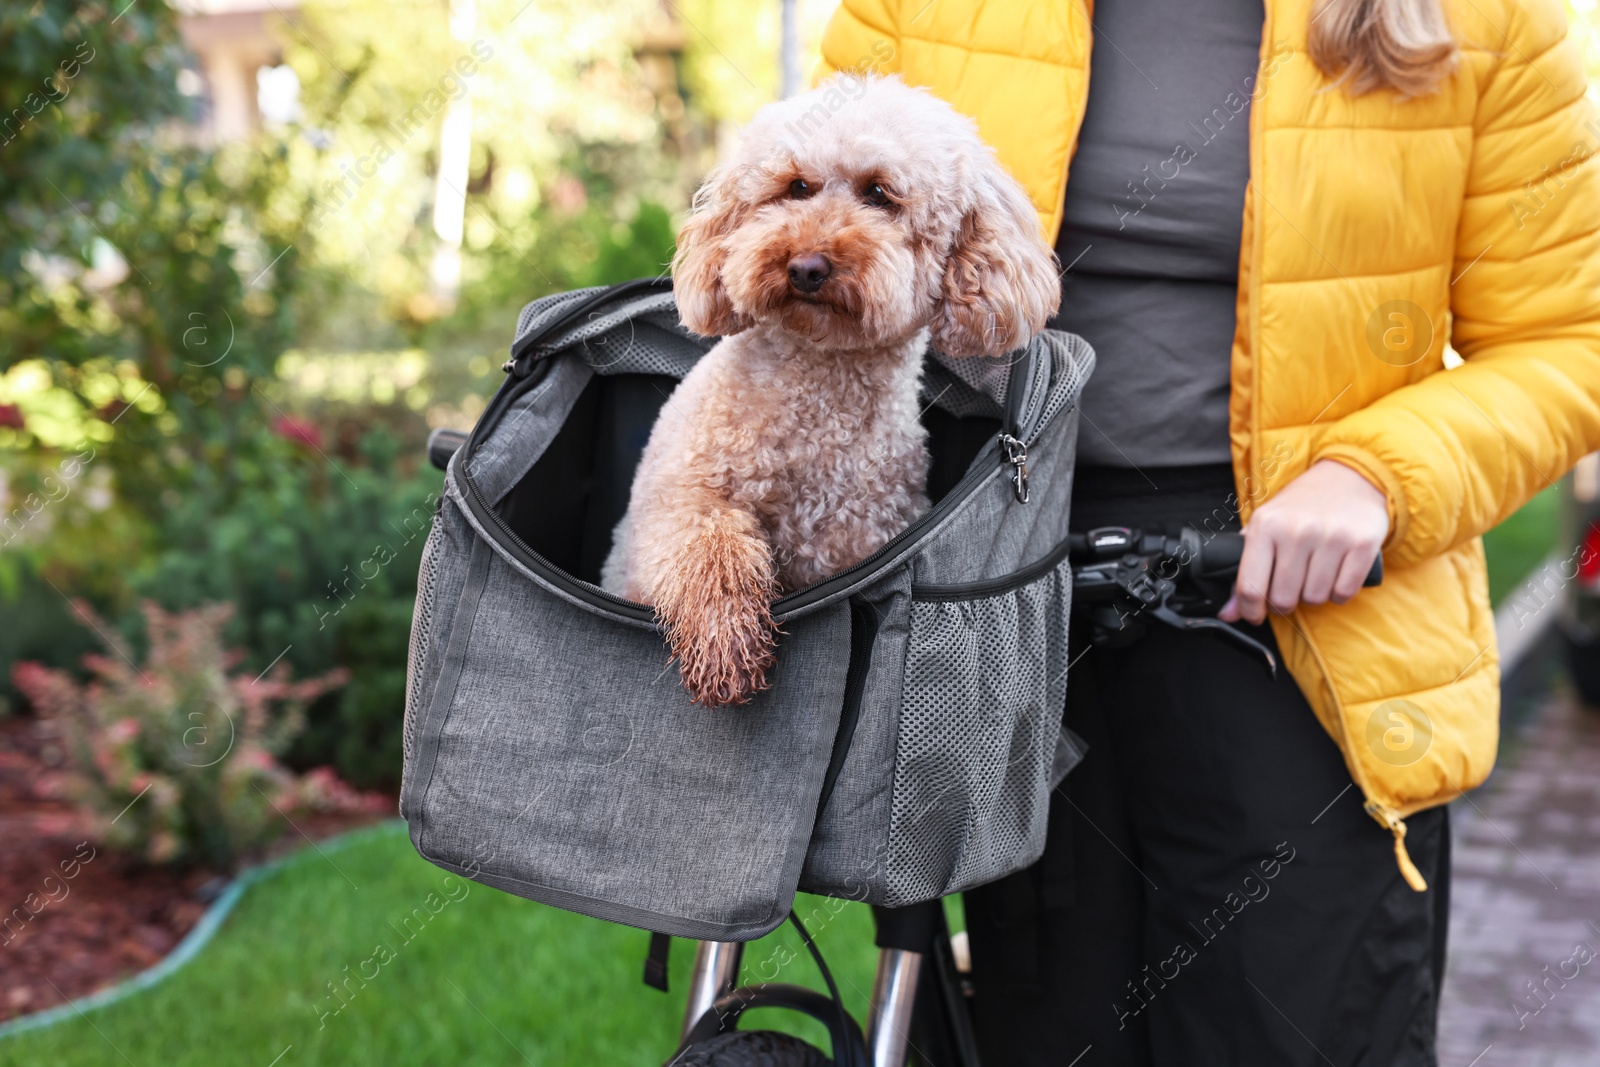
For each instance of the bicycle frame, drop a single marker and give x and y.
(915, 958)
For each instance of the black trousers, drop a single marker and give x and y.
(1212, 892)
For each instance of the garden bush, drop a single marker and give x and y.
(320, 558)
(152, 284)
(177, 757)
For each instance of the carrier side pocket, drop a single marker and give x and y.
(422, 628)
(459, 631)
(980, 729)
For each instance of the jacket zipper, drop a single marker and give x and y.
(1384, 814)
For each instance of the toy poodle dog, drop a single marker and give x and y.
(858, 223)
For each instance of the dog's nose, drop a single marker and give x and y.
(808, 272)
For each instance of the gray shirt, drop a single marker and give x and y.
(1150, 235)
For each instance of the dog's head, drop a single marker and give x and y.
(858, 213)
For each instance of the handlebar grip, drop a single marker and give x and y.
(1222, 552)
(442, 444)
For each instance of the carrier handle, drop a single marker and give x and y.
(442, 444)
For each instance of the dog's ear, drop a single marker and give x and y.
(703, 304)
(1000, 279)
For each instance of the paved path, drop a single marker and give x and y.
(1522, 988)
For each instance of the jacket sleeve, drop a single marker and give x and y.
(1460, 450)
(860, 36)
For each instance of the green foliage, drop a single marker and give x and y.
(82, 88)
(121, 242)
(176, 757)
(321, 559)
(555, 96)
(361, 733)
(152, 286)
(45, 631)
(148, 290)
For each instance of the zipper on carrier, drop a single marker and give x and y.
(800, 598)
(1009, 449)
(1016, 454)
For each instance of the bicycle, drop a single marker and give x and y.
(919, 1014)
(1123, 580)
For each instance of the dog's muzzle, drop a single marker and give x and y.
(807, 273)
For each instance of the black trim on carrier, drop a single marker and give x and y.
(989, 463)
(864, 623)
(988, 587)
(508, 541)
(519, 348)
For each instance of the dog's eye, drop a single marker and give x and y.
(799, 189)
(874, 195)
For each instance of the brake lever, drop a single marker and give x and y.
(1131, 579)
(1219, 628)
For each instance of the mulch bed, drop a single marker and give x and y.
(114, 917)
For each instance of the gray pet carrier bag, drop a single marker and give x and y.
(911, 736)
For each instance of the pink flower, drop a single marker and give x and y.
(291, 429)
(252, 758)
(122, 731)
(11, 417)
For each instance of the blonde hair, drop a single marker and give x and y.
(1404, 45)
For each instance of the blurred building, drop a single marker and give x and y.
(241, 83)
(238, 73)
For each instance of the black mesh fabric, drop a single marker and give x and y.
(980, 719)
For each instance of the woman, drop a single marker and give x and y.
(1276, 220)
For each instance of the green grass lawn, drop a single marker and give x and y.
(1518, 545)
(486, 979)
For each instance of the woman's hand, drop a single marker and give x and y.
(1313, 542)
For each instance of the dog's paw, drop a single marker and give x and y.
(713, 605)
(724, 655)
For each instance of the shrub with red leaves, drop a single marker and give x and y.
(297, 430)
(177, 757)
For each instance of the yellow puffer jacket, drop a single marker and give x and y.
(1376, 229)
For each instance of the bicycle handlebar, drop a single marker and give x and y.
(442, 444)
(1197, 555)
(1124, 577)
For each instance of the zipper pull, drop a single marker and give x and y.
(1397, 826)
(1017, 455)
